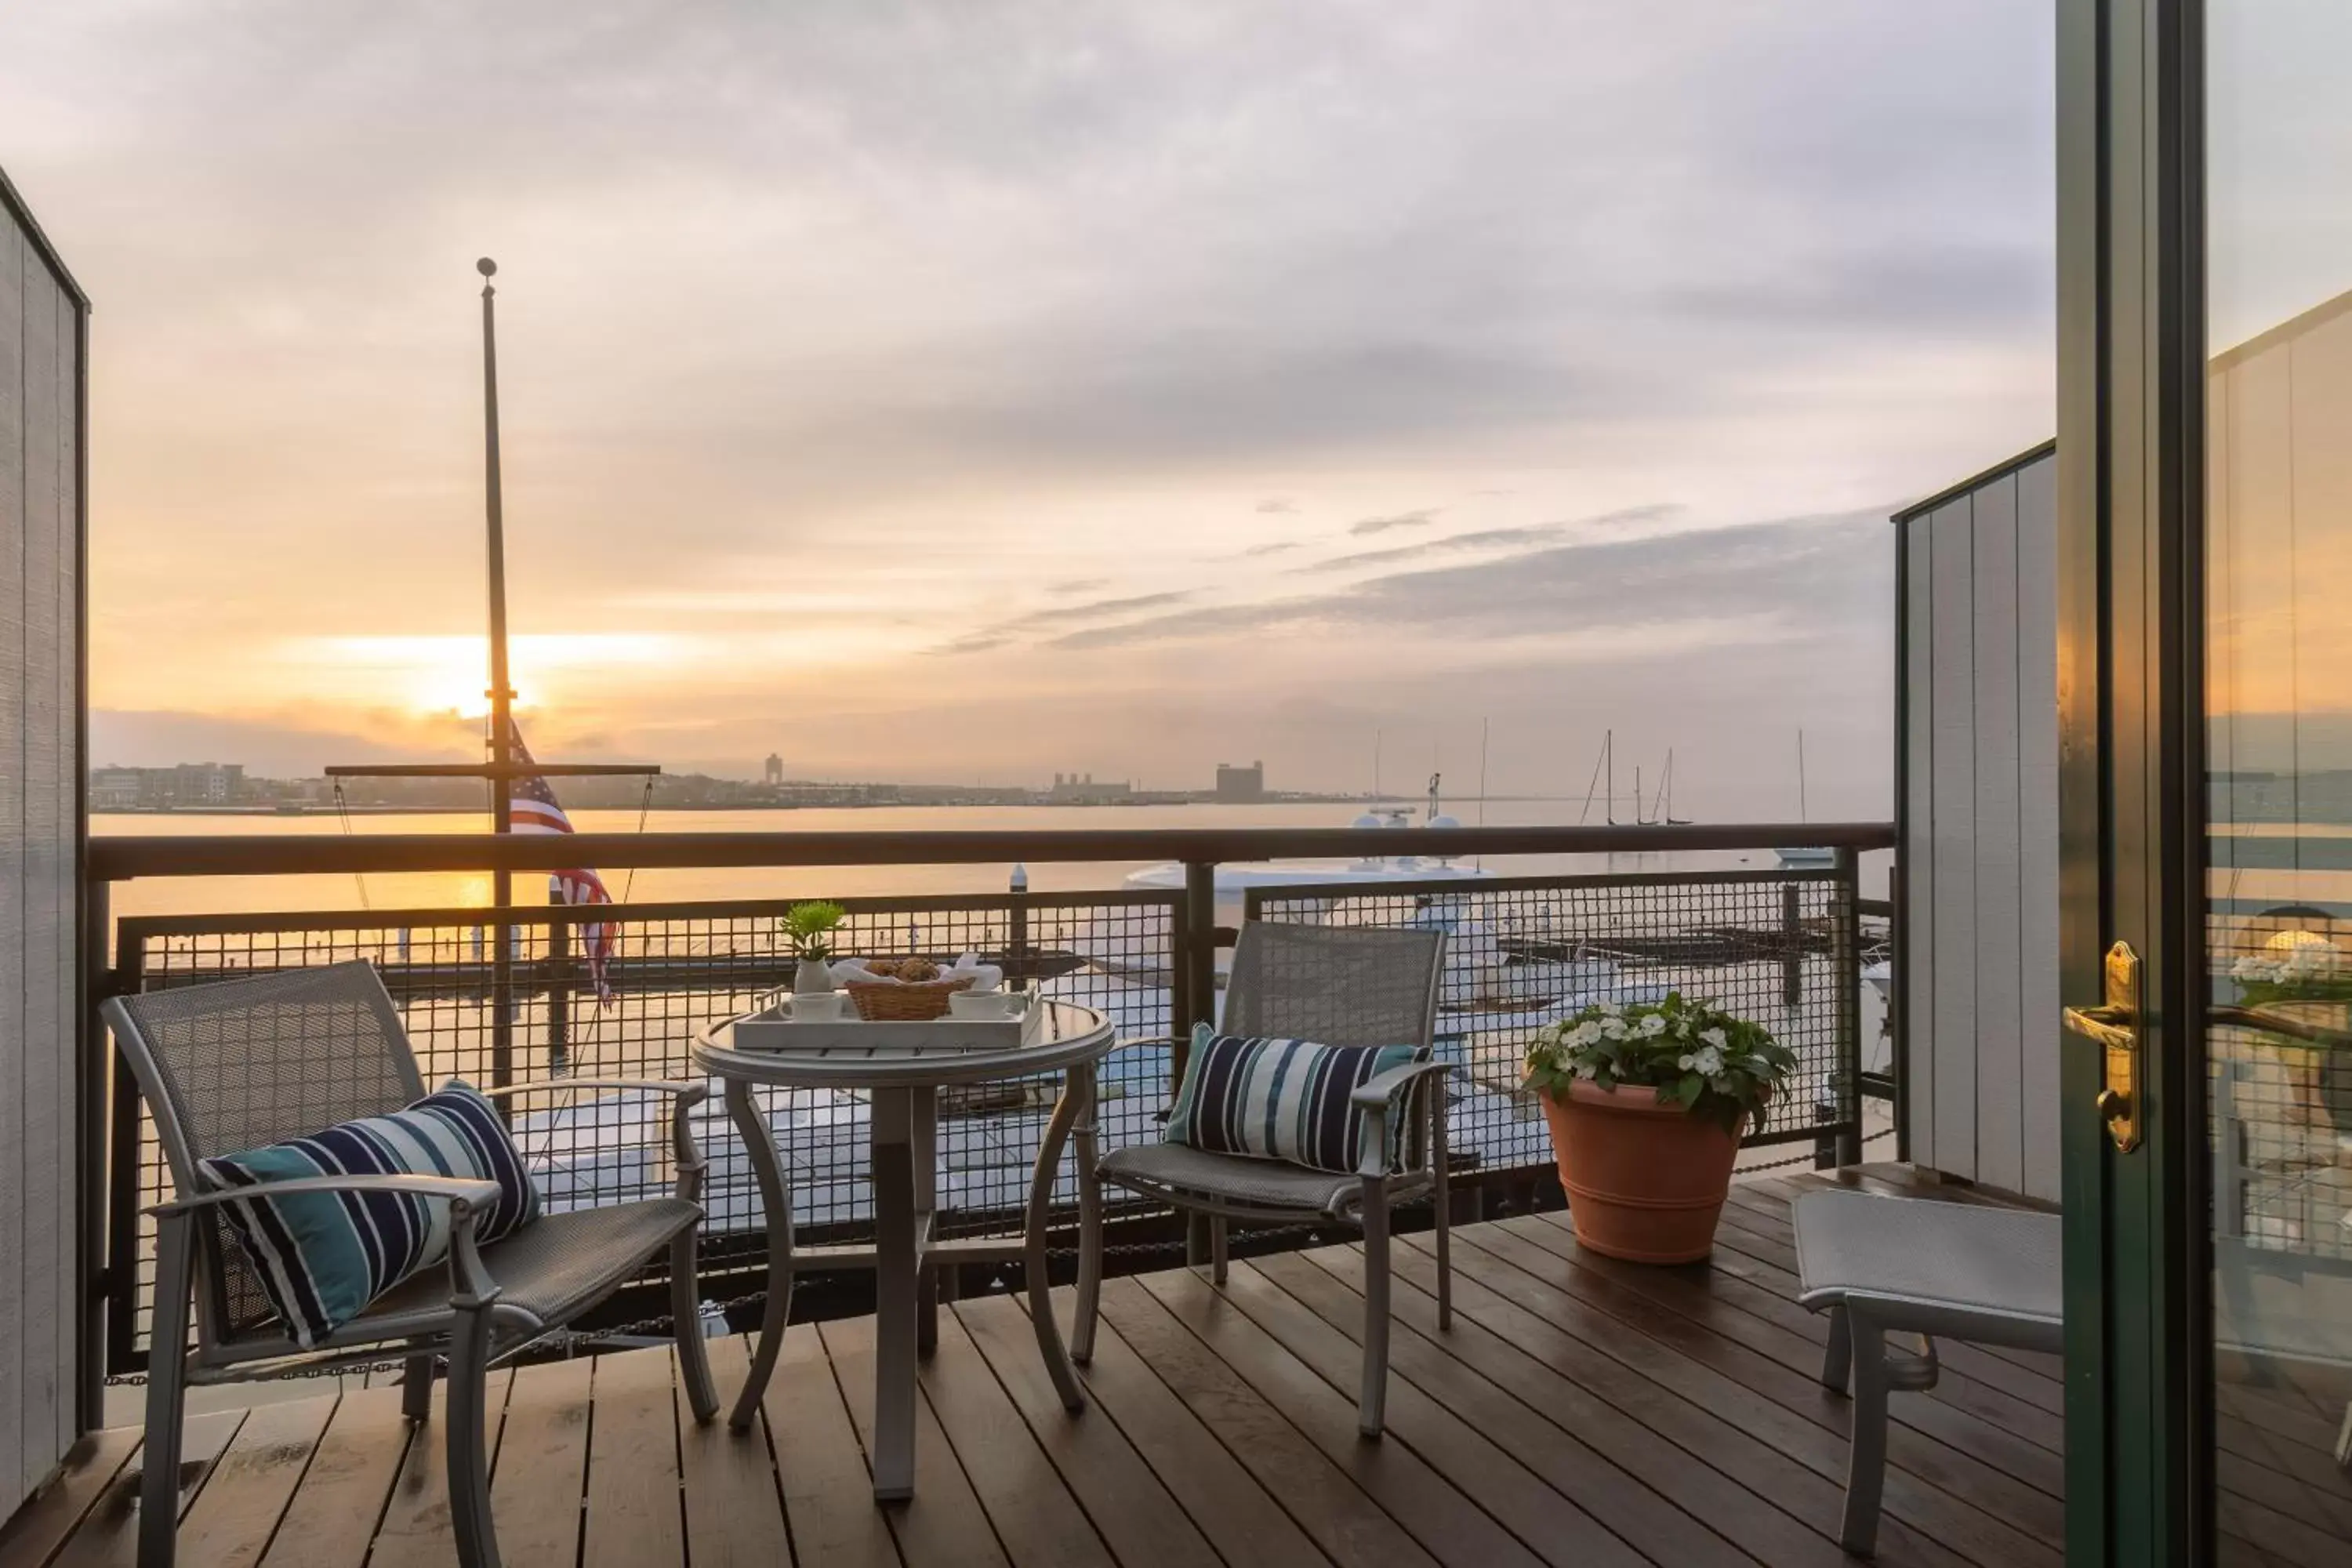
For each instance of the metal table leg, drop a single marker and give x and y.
(1091, 1238)
(776, 1202)
(924, 1142)
(1078, 1091)
(895, 1264)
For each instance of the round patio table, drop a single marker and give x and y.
(902, 1128)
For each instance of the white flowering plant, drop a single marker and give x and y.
(1715, 1064)
(2293, 966)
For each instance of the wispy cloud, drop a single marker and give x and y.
(1276, 506)
(1278, 547)
(1494, 539)
(1060, 618)
(1491, 538)
(1420, 518)
(1825, 566)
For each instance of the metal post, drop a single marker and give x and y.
(93, 1065)
(558, 993)
(1016, 950)
(122, 1185)
(1792, 949)
(1196, 972)
(502, 692)
(1845, 963)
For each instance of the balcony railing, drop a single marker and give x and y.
(506, 995)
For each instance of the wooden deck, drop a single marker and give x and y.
(1581, 1412)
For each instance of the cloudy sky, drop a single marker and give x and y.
(944, 391)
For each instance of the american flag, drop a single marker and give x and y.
(533, 809)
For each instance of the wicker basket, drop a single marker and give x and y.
(887, 1001)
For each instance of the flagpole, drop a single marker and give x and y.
(500, 694)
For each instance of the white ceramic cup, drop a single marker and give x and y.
(983, 1004)
(817, 1007)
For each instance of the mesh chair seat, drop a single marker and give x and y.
(1158, 1169)
(554, 1269)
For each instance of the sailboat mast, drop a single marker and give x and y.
(1803, 814)
(501, 693)
(1608, 756)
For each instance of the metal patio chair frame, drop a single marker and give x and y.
(1881, 1264)
(1337, 986)
(231, 1064)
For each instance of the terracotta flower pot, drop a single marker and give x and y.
(1645, 1182)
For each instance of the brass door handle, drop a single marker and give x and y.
(2108, 1025)
(2114, 1028)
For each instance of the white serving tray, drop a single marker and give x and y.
(769, 1030)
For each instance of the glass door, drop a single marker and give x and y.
(2205, 480)
(2277, 1047)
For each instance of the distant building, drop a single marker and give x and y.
(776, 773)
(1239, 784)
(206, 784)
(1073, 790)
(116, 789)
(185, 784)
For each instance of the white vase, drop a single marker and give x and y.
(813, 978)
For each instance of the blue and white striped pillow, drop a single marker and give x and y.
(1277, 1100)
(324, 1257)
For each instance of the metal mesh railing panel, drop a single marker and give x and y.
(1775, 946)
(675, 969)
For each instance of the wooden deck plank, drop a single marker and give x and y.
(1623, 1473)
(828, 1490)
(1349, 1528)
(1451, 1526)
(1036, 1516)
(1241, 1521)
(542, 1463)
(1611, 1515)
(416, 1530)
(943, 1521)
(109, 1534)
(636, 1499)
(1655, 1430)
(1578, 1411)
(331, 1518)
(235, 1518)
(50, 1515)
(734, 1513)
(1952, 1519)
(2020, 1481)
(1718, 1299)
(1140, 1523)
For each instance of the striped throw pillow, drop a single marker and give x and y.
(1277, 1100)
(324, 1257)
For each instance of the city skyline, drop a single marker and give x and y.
(934, 395)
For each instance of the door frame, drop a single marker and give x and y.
(2131, 467)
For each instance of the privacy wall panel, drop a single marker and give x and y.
(1980, 825)
(41, 533)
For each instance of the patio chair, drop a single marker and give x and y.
(1880, 1265)
(1336, 986)
(239, 1064)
